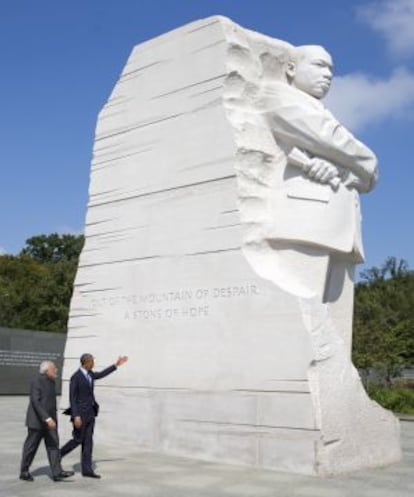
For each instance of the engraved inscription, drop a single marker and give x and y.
(174, 304)
(21, 358)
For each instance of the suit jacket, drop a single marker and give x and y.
(82, 398)
(42, 404)
(303, 210)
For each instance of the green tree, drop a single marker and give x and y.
(36, 286)
(53, 247)
(21, 289)
(384, 319)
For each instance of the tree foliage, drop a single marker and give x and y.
(53, 248)
(384, 319)
(36, 285)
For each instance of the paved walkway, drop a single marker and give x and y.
(137, 474)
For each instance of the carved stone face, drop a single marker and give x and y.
(312, 71)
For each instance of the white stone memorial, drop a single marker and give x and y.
(222, 232)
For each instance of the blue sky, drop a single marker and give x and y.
(61, 58)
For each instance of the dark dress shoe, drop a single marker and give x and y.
(26, 476)
(57, 478)
(91, 475)
(66, 474)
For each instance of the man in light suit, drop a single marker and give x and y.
(315, 236)
(41, 423)
(84, 408)
(338, 165)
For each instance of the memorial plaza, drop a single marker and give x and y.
(133, 473)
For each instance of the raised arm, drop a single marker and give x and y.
(105, 372)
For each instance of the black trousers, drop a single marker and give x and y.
(31, 444)
(82, 436)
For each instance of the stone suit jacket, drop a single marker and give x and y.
(42, 404)
(303, 210)
(81, 392)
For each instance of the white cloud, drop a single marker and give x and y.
(358, 100)
(2, 251)
(394, 20)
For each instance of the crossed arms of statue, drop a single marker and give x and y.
(303, 122)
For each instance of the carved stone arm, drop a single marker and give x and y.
(303, 122)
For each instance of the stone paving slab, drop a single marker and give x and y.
(140, 474)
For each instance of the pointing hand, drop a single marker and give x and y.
(121, 360)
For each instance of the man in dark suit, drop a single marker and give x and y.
(84, 409)
(41, 423)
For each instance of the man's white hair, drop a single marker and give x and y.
(44, 366)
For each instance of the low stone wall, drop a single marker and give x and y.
(21, 352)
